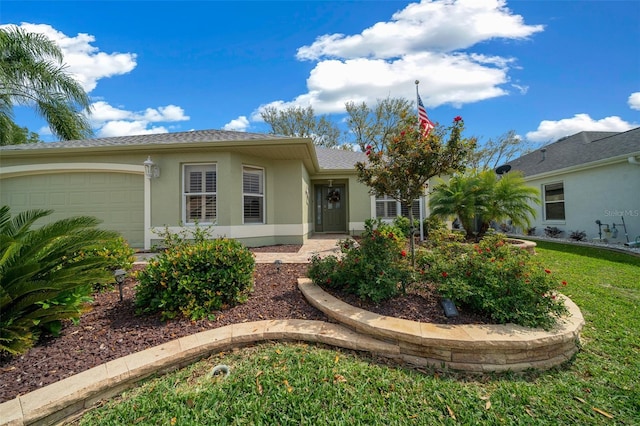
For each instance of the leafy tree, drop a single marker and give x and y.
(376, 126)
(42, 279)
(402, 168)
(303, 123)
(32, 73)
(18, 135)
(487, 196)
(497, 152)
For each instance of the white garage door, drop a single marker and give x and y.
(115, 198)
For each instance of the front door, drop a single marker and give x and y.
(331, 212)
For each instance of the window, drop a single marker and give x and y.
(200, 185)
(415, 208)
(386, 207)
(554, 201)
(253, 194)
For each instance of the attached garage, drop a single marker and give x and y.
(116, 198)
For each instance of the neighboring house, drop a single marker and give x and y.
(586, 177)
(260, 189)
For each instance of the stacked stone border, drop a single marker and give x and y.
(467, 348)
(471, 348)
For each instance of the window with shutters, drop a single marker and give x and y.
(386, 207)
(199, 193)
(415, 208)
(253, 194)
(554, 201)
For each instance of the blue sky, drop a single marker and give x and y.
(545, 69)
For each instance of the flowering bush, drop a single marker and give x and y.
(196, 277)
(495, 279)
(374, 269)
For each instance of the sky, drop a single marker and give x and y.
(544, 69)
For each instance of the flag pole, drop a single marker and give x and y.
(422, 200)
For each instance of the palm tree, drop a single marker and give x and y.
(486, 196)
(510, 199)
(43, 279)
(462, 197)
(32, 74)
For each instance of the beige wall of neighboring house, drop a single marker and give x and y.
(586, 177)
(609, 193)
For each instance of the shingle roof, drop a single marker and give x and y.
(581, 148)
(153, 139)
(338, 159)
(331, 159)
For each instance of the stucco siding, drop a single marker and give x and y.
(284, 214)
(607, 193)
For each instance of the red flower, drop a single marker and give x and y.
(403, 253)
(402, 133)
(457, 118)
(368, 147)
(564, 283)
(328, 280)
(547, 271)
(445, 275)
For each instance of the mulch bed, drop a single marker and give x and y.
(111, 329)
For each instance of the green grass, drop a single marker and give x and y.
(300, 384)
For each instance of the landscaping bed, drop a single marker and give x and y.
(111, 329)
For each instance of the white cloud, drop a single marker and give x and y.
(634, 101)
(440, 25)
(240, 124)
(423, 41)
(113, 121)
(123, 128)
(453, 79)
(549, 131)
(85, 62)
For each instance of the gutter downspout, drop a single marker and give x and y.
(632, 160)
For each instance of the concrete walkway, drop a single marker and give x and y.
(321, 244)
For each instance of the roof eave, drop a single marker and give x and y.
(586, 166)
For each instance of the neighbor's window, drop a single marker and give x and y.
(554, 201)
(253, 194)
(386, 207)
(200, 185)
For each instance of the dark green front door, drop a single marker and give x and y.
(331, 211)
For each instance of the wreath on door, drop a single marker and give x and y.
(334, 196)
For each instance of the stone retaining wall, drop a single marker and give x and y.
(473, 348)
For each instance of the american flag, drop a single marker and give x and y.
(425, 123)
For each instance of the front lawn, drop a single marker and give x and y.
(306, 384)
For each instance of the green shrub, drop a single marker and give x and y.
(117, 255)
(194, 278)
(495, 279)
(404, 225)
(375, 269)
(43, 281)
